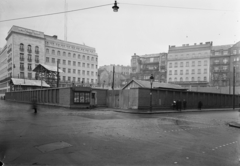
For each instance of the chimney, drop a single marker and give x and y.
(55, 36)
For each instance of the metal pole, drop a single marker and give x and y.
(151, 98)
(57, 75)
(113, 77)
(233, 87)
(229, 85)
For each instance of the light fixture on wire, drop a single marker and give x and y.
(115, 7)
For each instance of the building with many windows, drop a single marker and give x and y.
(145, 65)
(26, 48)
(188, 65)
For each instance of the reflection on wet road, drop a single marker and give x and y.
(105, 137)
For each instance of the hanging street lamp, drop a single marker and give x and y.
(115, 7)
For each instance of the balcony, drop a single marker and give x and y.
(36, 61)
(22, 68)
(10, 68)
(29, 60)
(29, 69)
(21, 59)
(21, 49)
(29, 51)
(36, 52)
(9, 60)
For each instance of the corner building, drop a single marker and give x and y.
(26, 48)
(188, 65)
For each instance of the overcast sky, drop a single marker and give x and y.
(133, 29)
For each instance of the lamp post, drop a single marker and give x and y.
(151, 82)
(235, 64)
(115, 7)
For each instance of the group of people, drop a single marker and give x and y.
(179, 105)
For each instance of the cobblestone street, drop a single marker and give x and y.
(59, 136)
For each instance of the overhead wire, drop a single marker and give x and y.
(75, 10)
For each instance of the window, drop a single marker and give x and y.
(88, 73)
(193, 63)
(79, 71)
(83, 79)
(81, 97)
(205, 63)
(53, 60)
(59, 61)
(170, 72)
(83, 64)
(69, 62)
(74, 71)
(64, 53)
(187, 64)
(83, 72)
(29, 48)
(87, 65)
(79, 64)
(36, 49)
(175, 64)
(22, 66)
(21, 74)
(193, 71)
(21, 47)
(74, 55)
(181, 72)
(187, 71)
(69, 54)
(170, 65)
(79, 56)
(170, 79)
(53, 52)
(87, 79)
(96, 59)
(234, 51)
(175, 72)
(199, 71)
(186, 78)
(29, 67)
(30, 75)
(175, 79)
(64, 78)
(181, 79)
(87, 57)
(192, 78)
(199, 63)
(225, 68)
(205, 78)
(47, 59)
(92, 59)
(47, 51)
(69, 78)
(205, 71)
(92, 73)
(83, 57)
(58, 53)
(29, 57)
(36, 58)
(64, 70)
(64, 62)
(21, 56)
(181, 64)
(69, 70)
(79, 79)
(92, 66)
(96, 66)
(74, 63)
(225, 52)
(74, 79)
(199, 79)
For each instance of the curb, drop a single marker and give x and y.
(234, 124)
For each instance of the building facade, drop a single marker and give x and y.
(188, 65)
(125, 70)
(235, 62)
(145, 65)
(27, 48)
(3, 70)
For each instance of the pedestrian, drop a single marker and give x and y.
(174, 105)
(200, 104)
(177, 105)
(34, 104)
(184, 104)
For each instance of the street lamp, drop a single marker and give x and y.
(115, 7)
(235, 64)
(151, 82)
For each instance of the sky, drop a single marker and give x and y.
(140, 26)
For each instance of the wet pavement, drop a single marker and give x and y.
(59, 136)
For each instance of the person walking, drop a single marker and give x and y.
(184, 104)
(200, 104)
(34, 104)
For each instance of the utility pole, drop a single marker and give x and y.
(57, 73)
(113, 77)
(233, 87)
(65, 21)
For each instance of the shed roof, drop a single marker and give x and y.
(48, 67)
(146, 84)
(25, 82)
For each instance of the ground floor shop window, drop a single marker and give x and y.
(81, 97)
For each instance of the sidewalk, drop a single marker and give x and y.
(132, 111)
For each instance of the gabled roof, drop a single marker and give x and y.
(25, 82)
(48, 67)
(146, 84)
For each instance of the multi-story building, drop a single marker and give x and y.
(220, 65)
(27, 48)
(188, 65)
(145, 65)
(235, 62)
(3, 70)
(125, 70)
